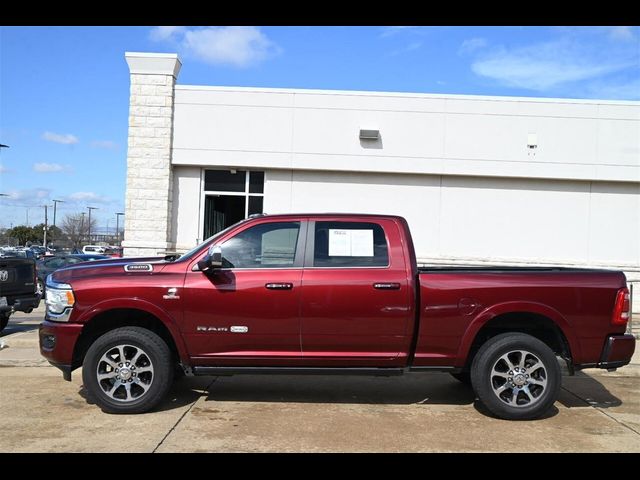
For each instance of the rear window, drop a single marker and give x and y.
(350, 244)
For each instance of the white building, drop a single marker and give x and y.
(499, 180)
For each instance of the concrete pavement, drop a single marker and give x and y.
(597, 412)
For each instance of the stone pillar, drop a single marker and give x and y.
(149, 193)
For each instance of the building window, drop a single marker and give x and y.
(230, 196)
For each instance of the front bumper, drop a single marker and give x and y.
(618, 350)
(57, 344)
(21, 304)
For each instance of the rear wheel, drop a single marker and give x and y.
(516, 376)
(128, 370)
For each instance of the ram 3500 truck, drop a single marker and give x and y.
(329, 294)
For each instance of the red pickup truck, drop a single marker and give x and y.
(329, 294)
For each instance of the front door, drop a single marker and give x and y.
(357, 302)
(247, 312)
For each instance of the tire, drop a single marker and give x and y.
(149, 372)
(462, 377)
(513, 387)
(4, 320)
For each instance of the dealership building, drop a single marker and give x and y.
(500, 180)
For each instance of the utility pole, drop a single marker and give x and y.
(46, 220)
(81, 233)
(118, 228)
(55, 204)
(90, 208)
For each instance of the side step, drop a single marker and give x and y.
(384, 372)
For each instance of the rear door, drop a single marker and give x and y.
(357, 302)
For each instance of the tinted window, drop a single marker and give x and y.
(350, 244)
(55, 263)
(225, 181)
(270, 245)
(256, 182)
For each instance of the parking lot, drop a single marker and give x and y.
(597, 412)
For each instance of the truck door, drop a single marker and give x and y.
(357, 302)
(247, 312)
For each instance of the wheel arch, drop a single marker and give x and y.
(538, 320)
(114, 314)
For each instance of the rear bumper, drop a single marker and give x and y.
(617, 351)
(21, 304)
(57, 343)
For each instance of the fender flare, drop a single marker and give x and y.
(147, 307)
(517, 307)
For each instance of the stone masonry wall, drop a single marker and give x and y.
(149, 174)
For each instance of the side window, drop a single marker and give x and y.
(269, 245)
(350, 244)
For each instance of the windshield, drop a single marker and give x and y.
(193, 251)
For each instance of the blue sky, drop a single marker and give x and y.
(64, 90)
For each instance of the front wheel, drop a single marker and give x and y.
(128, 370)
(40, 288)
(516, 376)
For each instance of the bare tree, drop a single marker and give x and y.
(76, 228)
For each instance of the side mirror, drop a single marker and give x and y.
(213, 258)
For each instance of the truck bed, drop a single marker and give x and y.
(457, 301)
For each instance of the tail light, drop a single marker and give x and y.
(622, 308)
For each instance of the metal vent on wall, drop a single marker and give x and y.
(369, 134)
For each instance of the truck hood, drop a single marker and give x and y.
(113, 267)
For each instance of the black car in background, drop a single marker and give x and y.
(50, 264)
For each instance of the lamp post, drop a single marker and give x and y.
(90, 208)
(118, 228)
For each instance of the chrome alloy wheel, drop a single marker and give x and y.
(125, 373)
(519, 378)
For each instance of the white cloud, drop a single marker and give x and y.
(235, 46)
(65, 139)
(30, 196)
(471, 45)
(44, 167)
(159, 34)
(545, 66)
(621, 33)
(89, 197)
(105, 144)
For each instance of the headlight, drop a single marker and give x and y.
(58, 298)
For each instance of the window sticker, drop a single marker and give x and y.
(350, 243)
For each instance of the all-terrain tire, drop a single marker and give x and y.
(516, 376)
(128, 370)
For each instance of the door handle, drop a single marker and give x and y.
(279, 286)
(386, 286)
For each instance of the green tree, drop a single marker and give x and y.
(22, 234)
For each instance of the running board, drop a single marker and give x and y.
(380, 372)
(385, 372)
